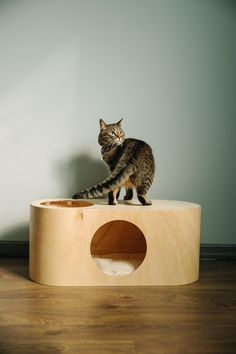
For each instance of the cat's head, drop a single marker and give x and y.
(112, 134)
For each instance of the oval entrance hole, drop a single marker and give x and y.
(118, 247)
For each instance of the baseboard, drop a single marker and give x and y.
(218, 252)
(16, 249)
(20, 249)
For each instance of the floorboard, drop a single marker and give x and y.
(199, 318)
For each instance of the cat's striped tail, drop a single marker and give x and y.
(114, 181)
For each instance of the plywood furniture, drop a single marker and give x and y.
(75, 242)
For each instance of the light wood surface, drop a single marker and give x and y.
(199, 318)
(66, 236)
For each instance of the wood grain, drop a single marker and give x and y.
(198, 318)
(63, 236)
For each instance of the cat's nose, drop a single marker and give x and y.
(119, 136)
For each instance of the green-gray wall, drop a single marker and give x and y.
(168, 67)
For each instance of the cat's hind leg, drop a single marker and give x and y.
(129, 193)
(142, 196)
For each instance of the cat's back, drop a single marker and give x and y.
(138, 152)
(137, 146)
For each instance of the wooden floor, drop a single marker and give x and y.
(197, 318)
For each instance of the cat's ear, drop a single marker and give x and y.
(103, 125)
(119, 123)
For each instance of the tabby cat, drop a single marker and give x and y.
(131, 163)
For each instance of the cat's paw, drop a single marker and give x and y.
(148, 202)
(144, 201)
(77, 196)
(114, 202)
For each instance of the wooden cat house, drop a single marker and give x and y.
(90, 243)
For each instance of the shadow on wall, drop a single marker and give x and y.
(80, 172)
(75, 173)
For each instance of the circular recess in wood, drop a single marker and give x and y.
(67, 203)
(118, 247)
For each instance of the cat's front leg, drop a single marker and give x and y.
(118, 194)
(112, 197)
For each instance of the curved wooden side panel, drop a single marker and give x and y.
(64, 239)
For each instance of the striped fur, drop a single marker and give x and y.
(131, 163)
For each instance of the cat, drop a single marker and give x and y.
(130, 161)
